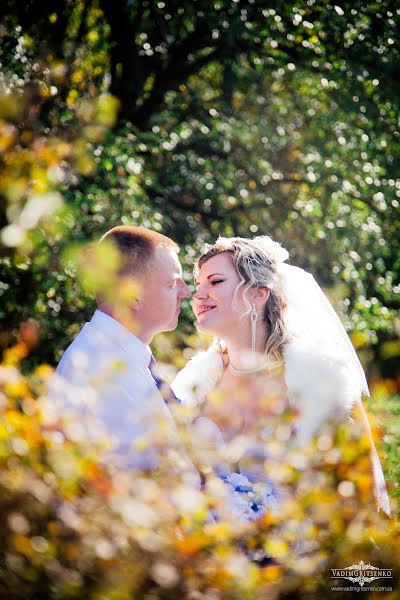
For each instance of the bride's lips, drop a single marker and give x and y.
(203, 309)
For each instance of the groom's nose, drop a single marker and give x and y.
(184, 291)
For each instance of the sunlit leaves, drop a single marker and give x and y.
(72, 526)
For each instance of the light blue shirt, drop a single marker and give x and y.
(103, 386)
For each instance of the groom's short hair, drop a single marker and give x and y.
(136, 246)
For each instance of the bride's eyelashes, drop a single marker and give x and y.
(213, 282)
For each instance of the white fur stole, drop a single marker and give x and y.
(317, 387)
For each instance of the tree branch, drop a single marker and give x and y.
(167, 80)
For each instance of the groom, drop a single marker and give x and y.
(109, 372)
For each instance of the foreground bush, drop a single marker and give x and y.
(72, 528)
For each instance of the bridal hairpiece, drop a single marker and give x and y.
(273, 249)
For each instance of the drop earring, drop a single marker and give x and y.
(253, 317)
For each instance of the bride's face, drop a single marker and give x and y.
(212, 303)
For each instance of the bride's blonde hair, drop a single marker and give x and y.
(256, 261)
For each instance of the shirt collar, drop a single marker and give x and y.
(119, 334)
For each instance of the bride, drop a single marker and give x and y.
(281, 350)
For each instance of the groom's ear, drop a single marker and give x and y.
(128, 292)
(135, 300)
(134, 304)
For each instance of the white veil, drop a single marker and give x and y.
(316, 331)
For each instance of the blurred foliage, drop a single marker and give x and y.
(72, 527)
(385, 406)
(194, 119)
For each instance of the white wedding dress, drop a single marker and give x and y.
(250, 493)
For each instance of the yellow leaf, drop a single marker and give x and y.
(189, 545)
(22, 544)
(16, 388)
(7, 135)
(359, 339)
(390, 349)
(77, 76)
(44, 371)
(272, 573)
(106, 110)
(92, 36)
(276, 547)
(13, 355)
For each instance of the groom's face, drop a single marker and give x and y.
(161, 291)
